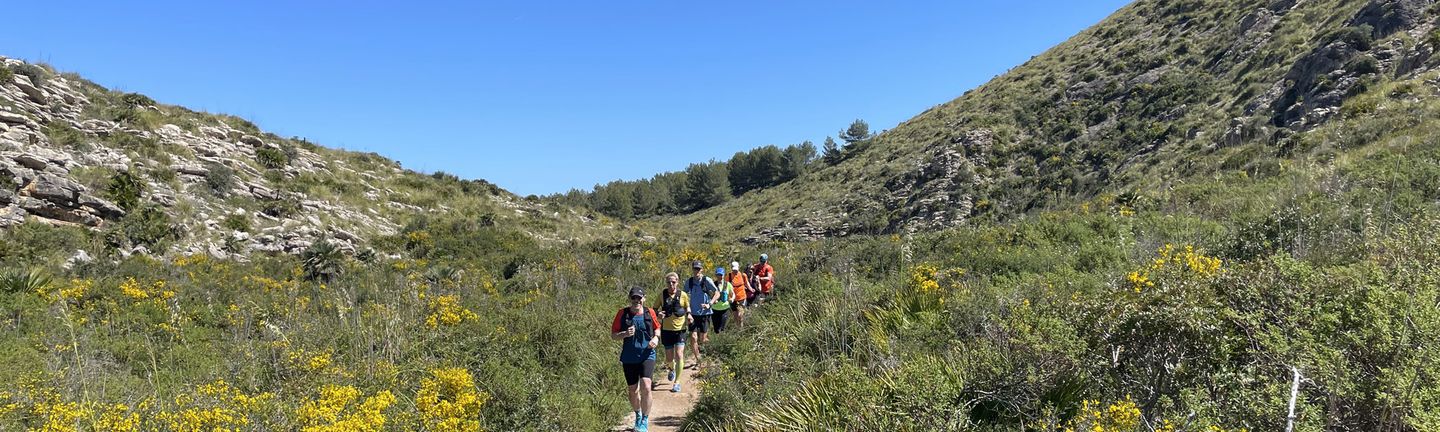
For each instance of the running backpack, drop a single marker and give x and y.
(625, 316)
(672, 307)
(709, 291)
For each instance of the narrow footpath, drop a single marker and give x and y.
(667, 409)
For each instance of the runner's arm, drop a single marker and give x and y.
(615, 333)
(654, 330)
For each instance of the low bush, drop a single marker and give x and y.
(125, 189)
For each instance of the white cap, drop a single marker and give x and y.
(735, 265)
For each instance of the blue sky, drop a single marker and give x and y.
(544, 96)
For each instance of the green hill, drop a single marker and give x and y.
(1150, 227)
(1157, 96)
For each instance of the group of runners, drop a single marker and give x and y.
(685, 314)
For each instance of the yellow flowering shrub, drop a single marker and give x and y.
(73, 291)
(8, 403)
(683, 258)
(1123, 416)
(57, 415)
(134, 290)
(446, 310)
(923, 279)
(1182, 263)
(116, 418)
(924, 288)
(339, 409)
(309, 361)
(448, 401)
(216, 406)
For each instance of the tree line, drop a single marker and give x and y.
(708, 184)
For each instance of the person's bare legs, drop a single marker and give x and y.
(644, 397)
(695, 349)
(635, 397)
(679, 365)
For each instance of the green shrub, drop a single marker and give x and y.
(236, 222)
(285, 206)
(149, 226)
(6, 75)
(38, 75)
(41, 245)
(322, 261)
(125, 189)
(219, 178)
(136, 100)
(63, 135)
(271, 158)
(20, 281)
(162, 174)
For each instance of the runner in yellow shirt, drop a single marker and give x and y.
(674, 307)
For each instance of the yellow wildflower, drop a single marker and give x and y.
(446, 310)
(449, 402)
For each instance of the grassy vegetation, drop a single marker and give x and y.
(1141, 100)
(1111, 318)
(1154, 245)
(482, 318)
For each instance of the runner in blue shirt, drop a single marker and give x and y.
(638, 326)
(702, 297)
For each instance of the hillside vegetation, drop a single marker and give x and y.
(161, 179)
(1151, 227)
(1158, 95)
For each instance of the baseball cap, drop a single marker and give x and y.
(764, 257)
(637, 292)
(696, 265)
(720, 271)
(734, 266)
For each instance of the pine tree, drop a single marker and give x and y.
(831, 151)
(797, 160)
(706, 185)
(647, 201)
(614, 199)
(858, 131)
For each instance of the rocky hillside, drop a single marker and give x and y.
(1159, 94)
(158, 178)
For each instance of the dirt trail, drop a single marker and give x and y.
(667, 409)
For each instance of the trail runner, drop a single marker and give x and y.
(638, 326)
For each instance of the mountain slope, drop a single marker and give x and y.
(73, 153)
(1157, 94)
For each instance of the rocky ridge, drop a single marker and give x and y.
(1153, 92)
(229, 188)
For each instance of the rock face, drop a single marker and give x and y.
(1321, 80)
(939, 192)
(1155, 92)
(46, 139)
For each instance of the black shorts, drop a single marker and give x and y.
(635, 371)
(701, 324)
(671, 338)
(718, 319)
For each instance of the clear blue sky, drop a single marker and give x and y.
(544, 96)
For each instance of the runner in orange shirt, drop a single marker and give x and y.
(742, 297)
(766, 275)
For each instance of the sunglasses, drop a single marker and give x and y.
(637, 297)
